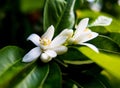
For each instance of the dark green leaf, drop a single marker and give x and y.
(54, 78)
(115, 36)
(73, 56)
(108, 78)
(59, 13)
(105, 43)
(71, 84)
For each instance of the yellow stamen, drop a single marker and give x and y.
(86, 30)
(45, 41)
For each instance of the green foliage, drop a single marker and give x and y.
(59, 13)
(14, 73)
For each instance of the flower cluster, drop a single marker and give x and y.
(48, 48)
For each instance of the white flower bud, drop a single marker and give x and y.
(102, 21)
(45, 58)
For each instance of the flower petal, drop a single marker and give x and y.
(51, 53)
(49, 33)
(81, 26)
(32, 55)
(35, 39)
(102, 21)
(86, 36)
(60, 49)
(91, 46)
(59, 40)
(66, 32)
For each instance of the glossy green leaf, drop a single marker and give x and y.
(108, 61)
(105, 43)
(35, 78)
(31, 5)
(15, 73)
(54, 78)
(10, 58)
(59, 13)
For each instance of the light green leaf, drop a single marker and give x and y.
(109, 61)
(59, 13)
(78, 62)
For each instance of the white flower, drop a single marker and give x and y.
(82, 34)
(102, 21)
(46, 47)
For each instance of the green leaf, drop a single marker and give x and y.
(31, 5)
(115, 36)
(35, 78)
(71, 84)
(109, 61)
(88, 81)
(85, 80)
(54, 78)
(73, 56)
(105, 43)
(59, 13)
(105, 76)
(10, 57)
(15, 73)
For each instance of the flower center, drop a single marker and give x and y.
(86, 30)
(45, 41)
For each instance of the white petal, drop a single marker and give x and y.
(32, 55)
(35, 39)
(59, 40)
(102, 21)
(66, 32)
(51, 53)
(87, 36)
(81, 26)
(91, 46)
(49, 33)
(45, 58)
(60, 50)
